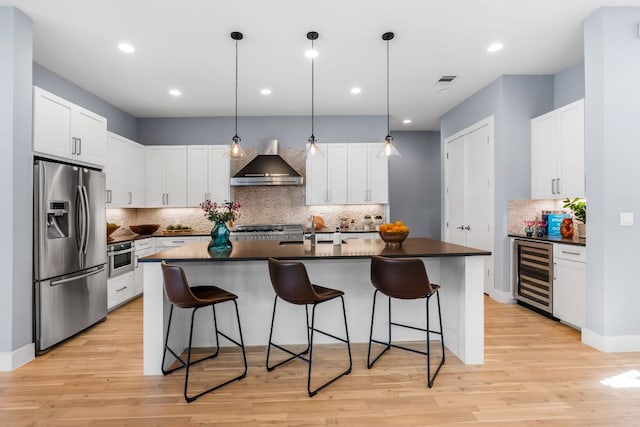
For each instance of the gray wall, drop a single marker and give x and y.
(16, 56)
(568, 85)
(612, 150)
(415, 182)
(513, 101)
(291, 131)
(118, 121)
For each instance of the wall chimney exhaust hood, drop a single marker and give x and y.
(267, 168)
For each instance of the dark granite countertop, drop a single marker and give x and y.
(575, 241)
(354, 248)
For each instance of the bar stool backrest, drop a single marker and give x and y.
(291, 282)
(177, 287)
(404, 278)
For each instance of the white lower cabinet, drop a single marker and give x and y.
(164, 243)
(569, 284)
(119, 290)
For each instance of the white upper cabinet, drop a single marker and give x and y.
(368, 174)
(125, 172)
(326, 180)
(208, 174)
(557, 153)
(67, 131)
(166, 176)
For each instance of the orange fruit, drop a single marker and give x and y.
(395, 229)
(399, 223)
(404, 228)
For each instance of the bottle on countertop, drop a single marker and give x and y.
(337, 237)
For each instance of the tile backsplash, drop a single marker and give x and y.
(260, 205)
(520, 210)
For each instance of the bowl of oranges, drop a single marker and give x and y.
(393, 233)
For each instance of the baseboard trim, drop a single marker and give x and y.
(502, 297)
(10, 361)
(611, 344)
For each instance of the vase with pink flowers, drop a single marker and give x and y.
(529, 227)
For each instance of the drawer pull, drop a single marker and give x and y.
(121, 289)
(571, 253)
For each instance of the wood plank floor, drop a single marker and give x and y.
(536, 372)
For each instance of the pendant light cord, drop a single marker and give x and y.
(313, 138)
(388, 120)
(236, 135)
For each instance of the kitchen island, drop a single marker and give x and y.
(243, 271)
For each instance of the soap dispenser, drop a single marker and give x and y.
(337, 238)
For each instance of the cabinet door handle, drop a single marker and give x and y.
(73, 145)
(553, 186)
(130, 197)
(121, 289)
(108, 196)
(167, 198)
(558, 185)
(79, 146)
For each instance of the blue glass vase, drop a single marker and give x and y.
(220, 237)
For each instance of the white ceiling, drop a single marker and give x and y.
(186, 44)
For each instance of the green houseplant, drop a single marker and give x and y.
(579, 209)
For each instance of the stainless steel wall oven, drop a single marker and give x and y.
(120, 257)
(533, 274)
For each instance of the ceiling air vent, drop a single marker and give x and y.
(446, 79)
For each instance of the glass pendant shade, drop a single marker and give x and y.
(313, 149)
(236, 151)
(389, 150)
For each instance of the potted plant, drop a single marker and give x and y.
(579, 209)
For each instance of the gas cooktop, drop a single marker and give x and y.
(267, 232)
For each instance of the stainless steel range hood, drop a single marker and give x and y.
(267, 168)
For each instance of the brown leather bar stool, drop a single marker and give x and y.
(181, 295)
(404, 278)
(291, 283)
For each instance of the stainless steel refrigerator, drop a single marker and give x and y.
(70, 251)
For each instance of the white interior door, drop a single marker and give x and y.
(469, 191)
(455, 193)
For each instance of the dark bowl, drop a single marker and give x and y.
(144, 229)
(391, 237)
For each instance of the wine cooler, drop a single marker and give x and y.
(533, 275)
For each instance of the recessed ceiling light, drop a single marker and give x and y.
(311, 53)
(265, 91)
(406, 121)
(495, 47)
(126, 48)
(175, 92)
(355, 90)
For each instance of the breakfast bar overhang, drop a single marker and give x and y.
(458, 269)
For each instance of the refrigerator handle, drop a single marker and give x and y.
(81, 276)
(87, 213)
(79, 221)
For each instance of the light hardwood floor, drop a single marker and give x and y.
(536, 372)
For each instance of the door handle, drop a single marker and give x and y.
(467, 228)
(558, 185)
(130, 197)
(553, 186)
(460, 228)
(82, 276)
(79, 146)
(108, 196)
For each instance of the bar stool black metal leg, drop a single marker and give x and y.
(272, 344)
(430, 379)
(386, 344)
(186, 377)
(244, 356)
(346, 341)
(166, 347)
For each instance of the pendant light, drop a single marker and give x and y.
(236, 151)
(388, 150)
(312, 146)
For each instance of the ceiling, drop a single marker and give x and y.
(187, 45)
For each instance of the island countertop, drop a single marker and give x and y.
(353, 249)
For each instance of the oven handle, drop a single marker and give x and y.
(124, 251)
